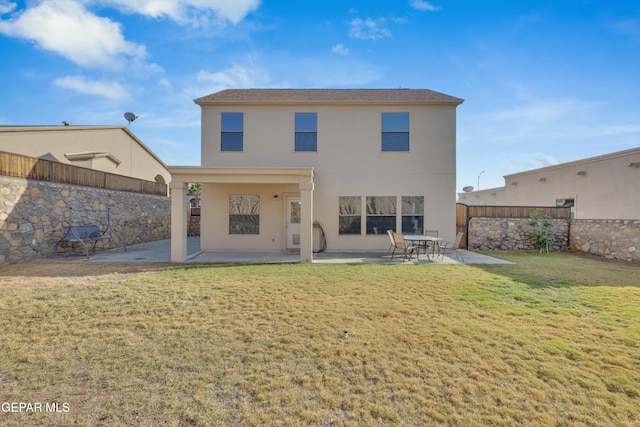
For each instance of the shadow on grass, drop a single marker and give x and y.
(563, 270)
(77, 269)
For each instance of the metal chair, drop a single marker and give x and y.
(432, 245)
(406, 248)
(452, 247)
(393, 243)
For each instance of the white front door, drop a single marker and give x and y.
(293, 223)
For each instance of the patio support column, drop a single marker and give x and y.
(178, 221)
(306, 222)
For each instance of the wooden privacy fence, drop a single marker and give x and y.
(465, 212)
(45, 170)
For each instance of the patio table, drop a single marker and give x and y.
(422, 241)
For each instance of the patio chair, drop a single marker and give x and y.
(452, 247)
(393, 243)
(406, 248)
(432, 245)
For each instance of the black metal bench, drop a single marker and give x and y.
(85, 234)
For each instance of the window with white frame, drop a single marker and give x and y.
(412, 214)
(306, 133)
(244, 214)
(350, 215)
(395, 131)
(232, 135)
(381, 214)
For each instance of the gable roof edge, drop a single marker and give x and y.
(328, 96)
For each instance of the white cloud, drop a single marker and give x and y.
(309, 72)
(543, 111)
(111, 90)
(340, 49)
(368, 29)
(515, 162)
(327, 71)
(423, 5)
(6, 6)
(559, 125)
(165, 83)
(236, 77)
(194, 12)
(545, 159)
(67, 28)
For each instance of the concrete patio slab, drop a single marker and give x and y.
(160, 251)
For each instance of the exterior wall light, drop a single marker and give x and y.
(543, 179)
(582, 173)
(275, 197)
(634, 165)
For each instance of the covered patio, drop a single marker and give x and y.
(300, 179)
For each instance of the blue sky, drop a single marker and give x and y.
(544, 82)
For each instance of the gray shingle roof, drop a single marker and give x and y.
(315, 96)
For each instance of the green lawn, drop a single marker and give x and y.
(552, 340)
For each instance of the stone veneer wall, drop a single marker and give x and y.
(32, 214)
(511, 234)
(193, 224)
(610, 238)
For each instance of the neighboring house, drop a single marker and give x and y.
(603, 187)
(356, 162)
(113, 149)
(194, 201)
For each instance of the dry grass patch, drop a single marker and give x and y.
(552, 340)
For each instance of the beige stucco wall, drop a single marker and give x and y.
(214, 233)
(53, 142)
(608, 189)
(349, 162)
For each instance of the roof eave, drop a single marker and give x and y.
(312, 102)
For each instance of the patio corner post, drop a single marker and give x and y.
(178, 221)
(306, 222)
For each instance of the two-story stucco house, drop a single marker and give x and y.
(355, 162)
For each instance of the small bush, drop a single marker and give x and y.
(542, 236)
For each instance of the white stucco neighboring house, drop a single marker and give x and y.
(356, 162)
(113, 149)
(602, 187)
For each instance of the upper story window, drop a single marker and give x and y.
(306, 138)
(395, 131)
(232, 131)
